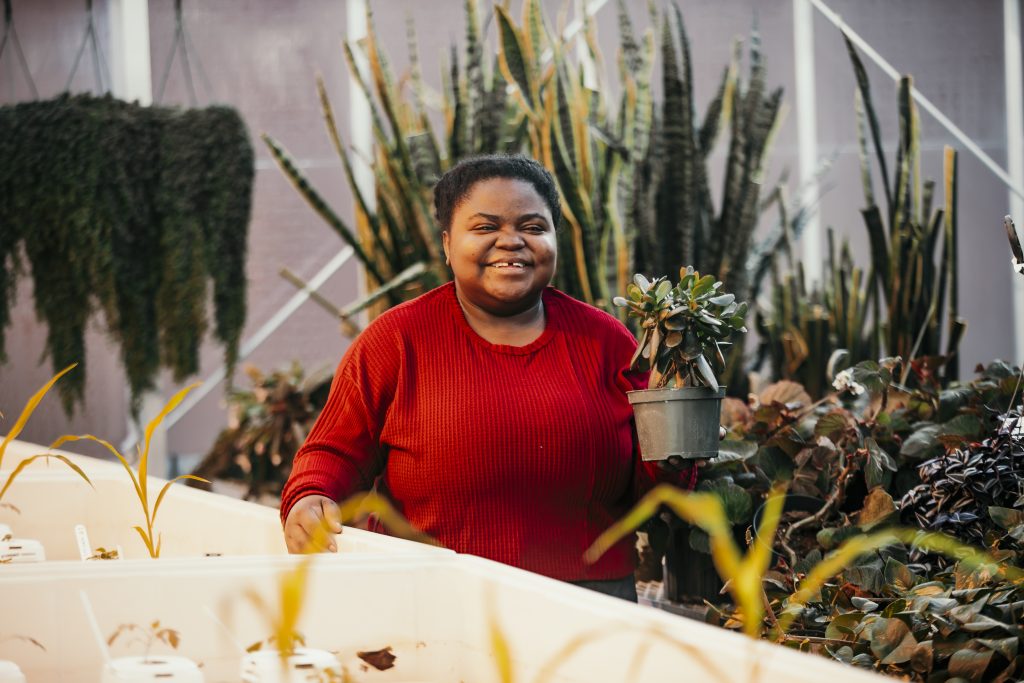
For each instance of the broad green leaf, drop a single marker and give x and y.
(867, 577)
(922, 442)
(734, 450)
(832, 423)
(1007, 518)
(897, 574)
(878, 506)
(969, 664)
(722, 299)
(664, 287)
(963, 425)
(891, 641)
(736, 501)
(879, 465)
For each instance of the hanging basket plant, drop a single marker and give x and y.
(138, 212)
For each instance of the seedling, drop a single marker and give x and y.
(148, 636)
(19, 425)
(140, 480)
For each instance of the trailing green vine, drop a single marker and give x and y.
(131, 211)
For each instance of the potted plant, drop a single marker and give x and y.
(683, 329)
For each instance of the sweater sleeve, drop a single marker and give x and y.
(342, 453)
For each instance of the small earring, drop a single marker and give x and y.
(446, 261)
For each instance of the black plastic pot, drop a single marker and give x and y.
(690, 575)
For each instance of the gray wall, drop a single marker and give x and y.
(261, 57)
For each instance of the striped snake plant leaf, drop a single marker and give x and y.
(864, 88)
(513, 62)
(474, 79)
(318, 204)
(361, 204)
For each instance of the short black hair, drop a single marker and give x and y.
(455, 185)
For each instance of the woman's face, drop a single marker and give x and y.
(502, 246)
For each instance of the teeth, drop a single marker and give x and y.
(508, 265)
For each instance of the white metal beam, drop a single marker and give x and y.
(926, 104)
(132, 79)
(1015, 149)
(807, 135)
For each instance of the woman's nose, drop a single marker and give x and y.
(510, 239)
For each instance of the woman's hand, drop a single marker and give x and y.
(305, 517)
(675, 463)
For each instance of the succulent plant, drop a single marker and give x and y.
(683, 327)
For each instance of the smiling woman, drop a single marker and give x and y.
(492, 410)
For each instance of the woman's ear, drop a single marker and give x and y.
(445, 240)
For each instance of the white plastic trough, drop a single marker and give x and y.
(192, 523)
(433, 611)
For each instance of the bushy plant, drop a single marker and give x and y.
(268, 424)
(683, 327)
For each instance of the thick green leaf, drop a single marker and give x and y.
(706, 374)
(831, 423)
(970, 664)
(734, 450)
(963, 425)
(1007, 518)
(922, 442)
(879, 466)
(736, 501)
(891, 641)
(897, 574)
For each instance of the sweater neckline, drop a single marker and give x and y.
(550, 315)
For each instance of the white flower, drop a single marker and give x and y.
(844, 382)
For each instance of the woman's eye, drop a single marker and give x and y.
(485, 227)
(536, 228)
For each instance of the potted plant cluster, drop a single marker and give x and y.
(683, 329)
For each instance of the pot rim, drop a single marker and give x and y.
(676, 394)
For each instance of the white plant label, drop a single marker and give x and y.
(82, 538)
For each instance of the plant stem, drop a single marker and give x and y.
(817, 516)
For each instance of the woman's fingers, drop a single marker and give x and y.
(305, 520)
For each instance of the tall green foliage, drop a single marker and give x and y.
(132, 211)
(918, 291)
(688, 228)
(906, 304)
(623, 165)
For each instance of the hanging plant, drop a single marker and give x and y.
(130, 210)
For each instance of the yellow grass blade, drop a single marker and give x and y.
(167, 486)
(29, 408)
(499, 645)
(27, 461)
(359, 506)
(150, 428)
(106, 444)
(855, 547)
(147, 541)
(549, 669)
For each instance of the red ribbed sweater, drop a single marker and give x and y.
(523, 455)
